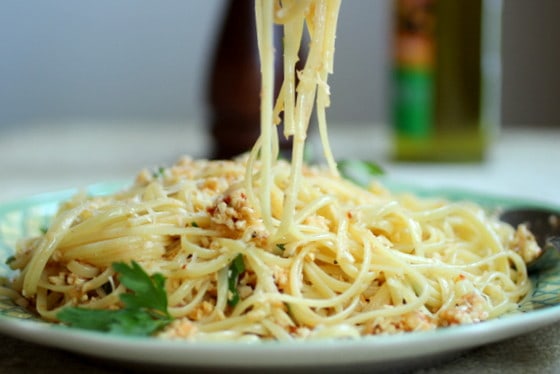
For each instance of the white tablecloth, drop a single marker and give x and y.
(522, 162)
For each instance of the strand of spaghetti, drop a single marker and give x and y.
(319, 275)
(10, 293)
(277, 331)
(293, 31)
(182, 292)
(306, 316)
(47, 246)
(362, 281)
(238, 325)
(82, 270)
(179, 311)
(265, 14)
(80, 238)
(290, 9)
(107, 302)
(312, 208)
(446, 294)
(222, 292)
(322, 125)
(251, 174)
(99, 280)
(392, 311)
(265, 284)
(304, 103)
(323, 93)
(105, 252)
(336, 331)
(201, 269)
(479, 264)
(320, 289)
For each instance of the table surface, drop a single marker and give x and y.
(522, 162)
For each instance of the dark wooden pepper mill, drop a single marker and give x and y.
(234, 83)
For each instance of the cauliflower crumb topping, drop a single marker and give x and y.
(413, 321)
(232, 212)
(181, 328)
(470, 308)
(525, 244)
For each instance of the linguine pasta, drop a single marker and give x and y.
(322, 256)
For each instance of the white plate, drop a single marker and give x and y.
(374, 353)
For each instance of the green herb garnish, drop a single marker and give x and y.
(159, 172)
(281, 246)
(145, 306)
(10, 259)
(359, 172)
(236, 268)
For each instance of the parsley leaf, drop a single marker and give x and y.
(148, 291)
(359, 172)
(89, 319)
(236, 268)
(10, 259)
(159, 172)
(145, 307)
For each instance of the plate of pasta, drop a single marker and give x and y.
(265, 263)
(29, 217)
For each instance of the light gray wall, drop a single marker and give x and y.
(126, 59)
(146, 60)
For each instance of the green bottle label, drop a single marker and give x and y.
(413, 106)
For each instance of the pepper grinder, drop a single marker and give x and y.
(234, 83)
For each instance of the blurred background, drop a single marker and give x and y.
(146, 60)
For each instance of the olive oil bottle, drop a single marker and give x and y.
(446, 79)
